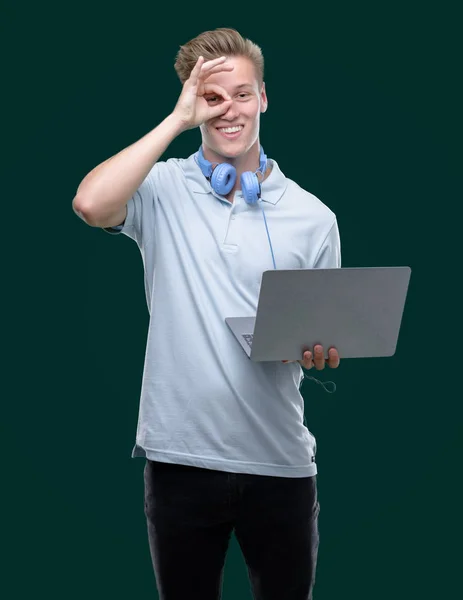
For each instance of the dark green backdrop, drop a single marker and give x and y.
(364, 105)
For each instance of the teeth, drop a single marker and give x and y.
(231, 129)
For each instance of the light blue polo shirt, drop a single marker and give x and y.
(203, 402)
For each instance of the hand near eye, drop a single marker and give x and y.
(318, 361)
(192, 108)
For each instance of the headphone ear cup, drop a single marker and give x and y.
(223, 178)
(250, 187)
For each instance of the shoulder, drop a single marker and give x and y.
(173, 170)
(307, 204)
(165, 175)
(309, 199)
(167, 167)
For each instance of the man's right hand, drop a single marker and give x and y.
(193, 108)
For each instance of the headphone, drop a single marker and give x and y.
(222, 177)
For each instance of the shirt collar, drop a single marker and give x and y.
(272, 188)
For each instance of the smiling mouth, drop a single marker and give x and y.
(230, 132)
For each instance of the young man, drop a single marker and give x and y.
(225, 445)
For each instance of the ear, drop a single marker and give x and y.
(263, 99)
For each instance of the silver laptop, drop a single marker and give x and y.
(356, 310)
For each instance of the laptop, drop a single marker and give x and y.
(356, 310)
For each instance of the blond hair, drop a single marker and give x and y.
(223, 41)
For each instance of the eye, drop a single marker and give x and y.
(213, 98)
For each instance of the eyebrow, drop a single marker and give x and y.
(243, 85)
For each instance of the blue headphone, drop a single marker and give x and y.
(222, 177)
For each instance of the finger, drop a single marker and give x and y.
(307, 360)
(210, 64)
(193, 79)
(333, 358)
(319, 360)
(213, 88)
(217, 69)
(220, 109)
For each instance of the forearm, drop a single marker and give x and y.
(110, 185)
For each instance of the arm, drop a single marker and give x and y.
(329, 254)
(102, 196)
(328, 257)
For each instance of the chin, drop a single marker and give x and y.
(229, 149)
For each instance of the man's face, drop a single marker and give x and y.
(248, 101)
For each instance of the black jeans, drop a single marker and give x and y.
(191, 513)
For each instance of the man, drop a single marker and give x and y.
(223, 437)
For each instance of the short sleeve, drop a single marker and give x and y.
(140, 220)
(329, 255)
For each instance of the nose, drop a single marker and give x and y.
(231, 113)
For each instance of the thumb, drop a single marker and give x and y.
(222, 108)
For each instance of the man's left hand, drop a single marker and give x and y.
(318, 360)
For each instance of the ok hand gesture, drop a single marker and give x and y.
(192, 108)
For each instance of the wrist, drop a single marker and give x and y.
(178, 126)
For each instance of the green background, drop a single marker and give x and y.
(364, 112)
